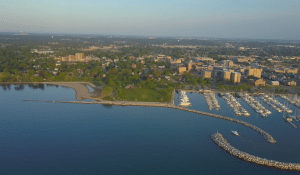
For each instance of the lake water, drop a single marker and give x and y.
(58, 138)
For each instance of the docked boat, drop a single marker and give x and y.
(183, 100)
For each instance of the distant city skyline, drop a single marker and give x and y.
(268, 19)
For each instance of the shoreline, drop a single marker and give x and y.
(81, 90)
(93, 86)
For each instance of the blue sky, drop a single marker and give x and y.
(258, 19)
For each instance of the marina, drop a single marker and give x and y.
(292, 99)
(255, 105)
(275, 104)
(211, 101)
(183, 99)
(235, 105)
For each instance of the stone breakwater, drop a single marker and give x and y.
(221, 142)
(267, 136)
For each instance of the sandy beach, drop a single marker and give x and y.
(82, 91)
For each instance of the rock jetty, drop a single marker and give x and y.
(267, 136)
(221, 142)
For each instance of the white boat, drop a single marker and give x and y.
(235, 133)
(183, 99)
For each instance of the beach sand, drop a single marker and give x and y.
(82, 91)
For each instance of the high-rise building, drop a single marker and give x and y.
(190, 66)
(227, 63)
(227, 75)
(235, 77)
(79, 56)
(72, 58)
(254, 72)
(206, 74)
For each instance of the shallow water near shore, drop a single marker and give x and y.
(58, 138)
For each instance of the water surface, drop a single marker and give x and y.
(58, 138)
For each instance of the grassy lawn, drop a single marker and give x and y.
(144, 94)
(108, 98)
(106, 91)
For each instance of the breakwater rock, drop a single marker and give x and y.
(267, 136)
(221, 142)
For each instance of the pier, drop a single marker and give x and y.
(292, 124)
(211, 101)
(235, 105)
(221, 142)
(267, 136)
(275, 104)
(255, 105)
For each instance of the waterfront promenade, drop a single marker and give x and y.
(221, 142)
(267, 136)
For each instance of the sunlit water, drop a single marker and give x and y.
(58, 138)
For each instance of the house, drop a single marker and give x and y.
(130, 86)
(275, 83)
(257, 81)
(291, 83)
(168, 78)
(181, 70)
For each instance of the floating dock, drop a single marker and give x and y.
(211, 101)
(235, 105)
(255, 105)
(275, 104)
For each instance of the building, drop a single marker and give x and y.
(181, 70)
(291, 83)
(253, 72)
(293, 71)
(190, 66)
(64, 58)
(227, 63)
(258, 81)
(206, 74)
(58, 58)
(226, 75)
(275, 83)
(235, 77)
(133, 66)
(72, 58)
(79, 56)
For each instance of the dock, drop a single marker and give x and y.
(211, 101)
(292, 124)
(234, 104)
(221, 142)
(255, 105)
(275, 104)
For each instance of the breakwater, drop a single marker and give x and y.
(221, 142)
(267, 136)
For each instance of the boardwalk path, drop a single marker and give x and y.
(267, 136)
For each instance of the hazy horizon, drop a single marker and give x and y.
(213, 19)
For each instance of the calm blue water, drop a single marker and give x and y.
(56, 138)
